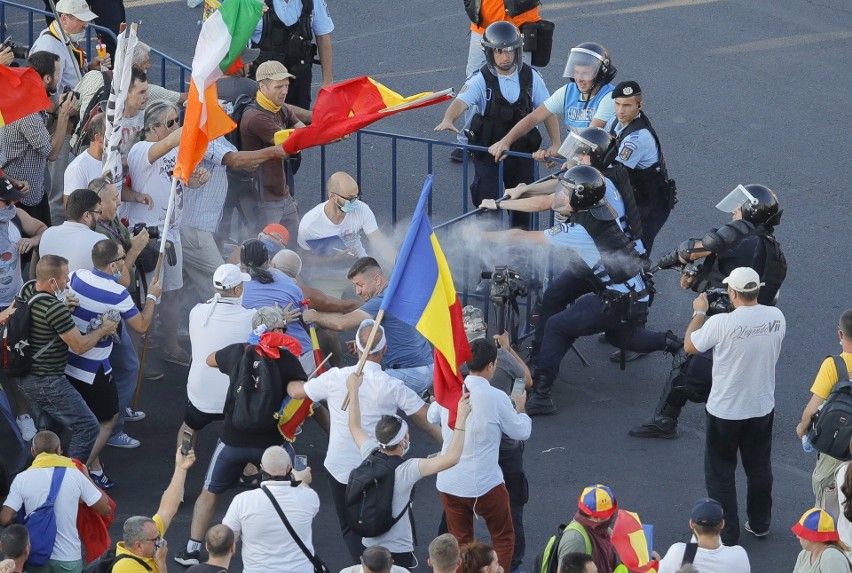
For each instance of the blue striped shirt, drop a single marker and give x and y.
(98, 292)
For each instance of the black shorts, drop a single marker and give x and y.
(196, 419)
(101, 396)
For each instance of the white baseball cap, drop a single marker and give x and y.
(228, 276)
(77, 8)
(743, 279)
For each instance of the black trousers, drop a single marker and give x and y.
(352, 539)
(563, 290)
(486, 182)
(690, 380)
(752, 438)
(654, 212)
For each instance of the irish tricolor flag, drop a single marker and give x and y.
(224, 35)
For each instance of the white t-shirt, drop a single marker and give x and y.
(230, 323)
(130, 127)
(380, 394)
(82, 171)
(722, 560)
(30, 489)
(11, 280)
(844, 527)
(71, 240)
(746, 344)
(267, 546)
(155, 180)
(318, 234)
(398, 539)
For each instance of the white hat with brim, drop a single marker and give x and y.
(77, 8)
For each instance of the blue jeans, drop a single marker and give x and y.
(418, 378)
(54, 397)
(125, 372)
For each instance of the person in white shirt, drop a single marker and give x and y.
(213, 325)
(267, 546)
(475, 486)
(746, 343)
(706, 551)
(75, 238)
(330, 236)
(380, 394)
(393, 439)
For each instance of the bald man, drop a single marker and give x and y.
(330, 235)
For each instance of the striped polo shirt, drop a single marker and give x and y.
(50, 318)
(98, 292)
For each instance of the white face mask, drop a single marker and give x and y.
(60, 294)
(406, 447)
(78, 37)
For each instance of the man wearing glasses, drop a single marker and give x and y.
(75, 238)
(330, 235)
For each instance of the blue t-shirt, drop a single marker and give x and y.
(282, 290)
(406, 348)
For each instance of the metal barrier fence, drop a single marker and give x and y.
(165, 70)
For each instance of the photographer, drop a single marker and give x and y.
(747, 241)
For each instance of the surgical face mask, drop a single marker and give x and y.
(406, 447)
(78, 37)
(58, 293)
(348, 206)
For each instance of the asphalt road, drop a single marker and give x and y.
(739, 92)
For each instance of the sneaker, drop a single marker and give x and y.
(102, 481)
(657, 427)
(457, 155)
(188, 558)
(629, 356)
(122, 440)
(181, 358)
(130, 415)
(151, 374)
(27, 427)
(757, 534)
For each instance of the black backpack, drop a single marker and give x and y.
(16, 355)
(107, 561)
(369, 495)
(255, 398)
(241, 104)
(831, 426)
(94, 107)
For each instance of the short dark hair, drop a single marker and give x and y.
(377, 559)
(363, 266)
(45, 442)
(750, 296)
(14, 541)
(137, 76)
(846, 324)
(79, 202)
(44, 63)
(50, 266)
(387, 428)
(219, 540)
(104, 252)
(574, 562)
(484, 352)
(714, 529)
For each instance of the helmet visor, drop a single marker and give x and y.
(736, 199)
(575, 146)
(582, 64)
(562, 197)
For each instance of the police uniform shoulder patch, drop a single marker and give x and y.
(626, 152)
(463, 89)
(555, 229)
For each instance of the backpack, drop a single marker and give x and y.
(369, 495)
(548, 560)
(41, 523)
(80, 135)
(254, 399)
(241, 104)
(107, 561)
(831, 426)
(16, 355)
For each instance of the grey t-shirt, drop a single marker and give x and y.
(399, 539)
(508, 368)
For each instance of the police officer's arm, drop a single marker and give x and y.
(336, 321)
(547, 187)
(431, 466)
(454, 111)
(509, 236)
(551, 124)
(326, 59)
(540, 114)
(353, 384)
(170, 502)
(535, 204)
(699, 305)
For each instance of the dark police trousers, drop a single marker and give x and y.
(564, 289)
(584, 318)
(486, 182)
(752, 438)
(654, 212)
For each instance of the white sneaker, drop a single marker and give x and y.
(27, 427)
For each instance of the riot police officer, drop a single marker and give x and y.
(638, 149)
(505, 90)
(747, 241)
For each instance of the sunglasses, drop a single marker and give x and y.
(347, 199)
(170, 123)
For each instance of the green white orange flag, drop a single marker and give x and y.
(224, 36)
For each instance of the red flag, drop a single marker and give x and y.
(628, 538)
(21, 93)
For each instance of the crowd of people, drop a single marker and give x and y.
(249, 294)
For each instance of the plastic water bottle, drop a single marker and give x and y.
(806, 444)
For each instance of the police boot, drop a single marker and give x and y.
(539, 401)
(674, 344)
(659, 426)
(629, 356)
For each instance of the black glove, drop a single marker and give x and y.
(171, 255)
(669, 260)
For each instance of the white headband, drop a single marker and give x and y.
(403, 430)
(378, 345)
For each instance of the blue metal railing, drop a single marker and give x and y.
(172, 73)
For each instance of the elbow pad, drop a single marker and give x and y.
(718, 240)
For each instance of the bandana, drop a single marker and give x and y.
(270, 345)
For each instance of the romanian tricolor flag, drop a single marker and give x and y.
(348, 106)
(224, 36)
(629, 540)
(21, 94)
(421, 293)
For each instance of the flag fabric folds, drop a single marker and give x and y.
(421, 293)
(224, 36)
(346, 107)
(628, 538)
(122, 72)
(21, 94)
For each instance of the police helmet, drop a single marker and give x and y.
(594, 56)
(502, 36)
(585, 187)
(758, 203)
(600, 144)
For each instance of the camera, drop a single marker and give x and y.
(153, 231)
(506, 284)
(720, 302)
(72, 93)
(19, 52)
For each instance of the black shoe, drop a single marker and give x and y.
(457, 155)
(602, 338)
(188, 558)
(629, 356)
(674, 345)
(538, 405)
(659, 426)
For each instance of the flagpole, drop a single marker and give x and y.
(157, 271)
(367, 347)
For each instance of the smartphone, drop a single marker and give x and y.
(186, 442)
(300, 463)
(519, 386)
